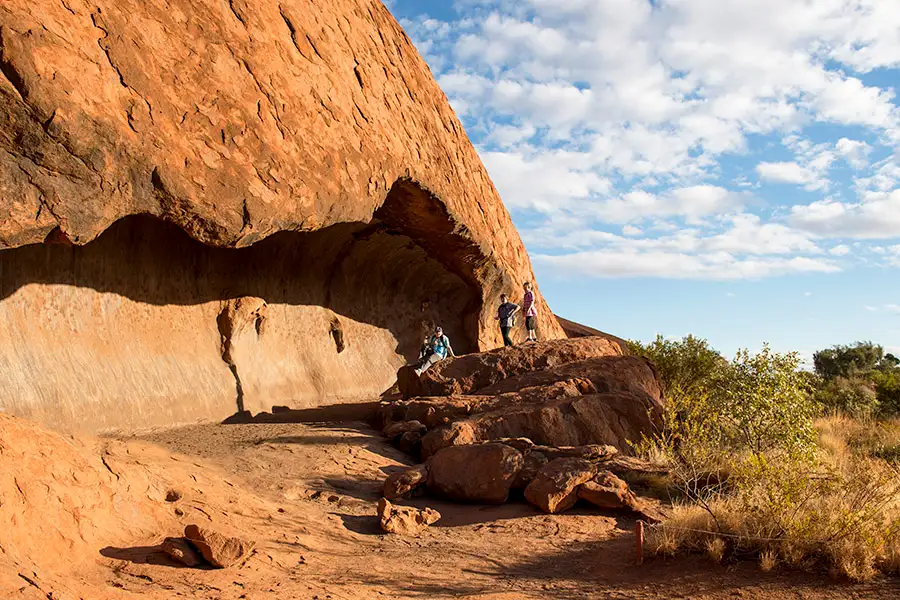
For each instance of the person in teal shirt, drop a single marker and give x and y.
(437, 348)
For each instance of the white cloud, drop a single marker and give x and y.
(876, 217)
(597, 113)
(854, 152)
(786, 172)
(717, 266)
(691, 202)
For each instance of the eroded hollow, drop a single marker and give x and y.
(146, 326)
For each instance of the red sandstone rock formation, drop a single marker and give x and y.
(179, 157)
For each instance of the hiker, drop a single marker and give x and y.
(438, 349)
(529, 305)
(506, 314)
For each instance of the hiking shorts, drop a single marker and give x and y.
(530, 323)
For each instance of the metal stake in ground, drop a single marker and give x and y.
(639, 541)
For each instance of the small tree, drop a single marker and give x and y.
(848, 361)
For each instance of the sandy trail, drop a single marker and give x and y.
(322, 539)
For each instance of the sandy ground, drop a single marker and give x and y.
(322, 540)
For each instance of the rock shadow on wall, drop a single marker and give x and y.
(403, 272)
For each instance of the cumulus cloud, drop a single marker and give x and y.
(877, 216)
(656, 120)
(716, 266)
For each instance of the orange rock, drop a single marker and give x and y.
(405, 520)
(478, 473)
(476, 373)
(219, 550)
(161, 137)
(555, 487)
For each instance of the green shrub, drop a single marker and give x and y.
(855, 397)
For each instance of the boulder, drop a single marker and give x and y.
(396, 430)
(480, 473)
(473, 372)
(612, 419)
(608, 374)
(404, 482)
(219, 145)
(405, 520)
(434, 411)
(555, 487)
(219, 550)
(592, 452)
(533, 462)
(608, 491)
(410, 443)
(180, 550)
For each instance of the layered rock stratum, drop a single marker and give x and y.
(208, 206)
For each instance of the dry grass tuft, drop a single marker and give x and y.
(768, 560)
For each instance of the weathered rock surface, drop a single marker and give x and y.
(608, 491)
(187, 186)
(606, 419)
(438, 410)
(533, 462)
(395, 430)
(605, 373)
(405, 520)
(400, 484)
(555, 487)
(180, 550)
(479, 473)
(217, 549)
(476, 372)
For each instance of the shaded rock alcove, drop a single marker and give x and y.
(146, 326)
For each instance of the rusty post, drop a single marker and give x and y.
(639, 540)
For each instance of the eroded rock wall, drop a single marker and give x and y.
(162, 159)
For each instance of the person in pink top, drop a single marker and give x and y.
(529, 307)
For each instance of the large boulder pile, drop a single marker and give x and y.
(572, 392)
(552, 479)
(552, 420)
(203, 203)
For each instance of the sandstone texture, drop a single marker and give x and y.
(69, 502)
(405, 520)
(404, 482)
(202, 204)
(477, 473)
(180, 550)
(555, 487)
(615, 419)
(476, 372)
(219, 550)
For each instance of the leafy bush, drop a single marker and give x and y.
(745, 455)
(887, 390)
(855, 397)
(686, 366)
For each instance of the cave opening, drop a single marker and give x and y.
(128, 330)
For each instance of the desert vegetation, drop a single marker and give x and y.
(779, 464)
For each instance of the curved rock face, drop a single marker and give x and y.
(208, 206)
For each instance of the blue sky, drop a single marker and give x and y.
(725, 168)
